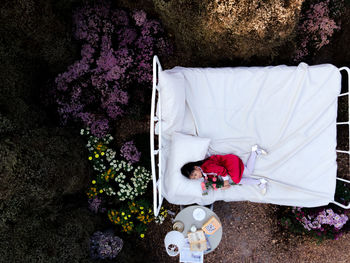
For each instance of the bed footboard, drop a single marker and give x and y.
(345, 123)
(157, 185)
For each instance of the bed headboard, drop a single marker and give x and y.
(157, 186)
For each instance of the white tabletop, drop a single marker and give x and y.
(186, 217)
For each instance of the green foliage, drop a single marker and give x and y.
(342, 192)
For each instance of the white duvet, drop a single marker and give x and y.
(289, 111)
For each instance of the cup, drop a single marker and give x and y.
(173, 242)
(178, 226)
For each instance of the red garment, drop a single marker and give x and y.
(222, 165)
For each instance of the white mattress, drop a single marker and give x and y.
(289, 111)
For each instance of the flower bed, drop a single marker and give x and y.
(116, 59)
(115, 177)
(110, 80)
(328, 222)
(117, 181)
(135, 216)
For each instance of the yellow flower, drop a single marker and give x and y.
(90, 158)
(141, 207)
(126, 218)
(112, 213)
(102, 153)
(141, 212)
(101, 191)
(142, 235)
(93, 182)
(96, 155)
(123, 213)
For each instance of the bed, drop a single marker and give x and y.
(291, 111)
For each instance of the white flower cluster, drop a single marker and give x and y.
(127, 190)
(93, 139)
(159, 219)
(99, 166)
(109, 191)
(139, 181)
(110, 154)
(85, 132)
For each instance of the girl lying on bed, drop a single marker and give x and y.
(228, 168)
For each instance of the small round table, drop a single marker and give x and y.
(186, 217)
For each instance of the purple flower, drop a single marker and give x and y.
(116, 56)
(140, 17)
(100, 127)
(130, 152)
(95, 205)
(316, 29)
(105, 245)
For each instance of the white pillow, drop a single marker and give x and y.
(172, 97)
(183, 149)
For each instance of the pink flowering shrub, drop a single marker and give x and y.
(117, 48)
(327, 222)
(316, 29)
(130, 152)
(320, 222)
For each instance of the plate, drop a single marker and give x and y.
(199, 214)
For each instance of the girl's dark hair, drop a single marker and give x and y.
(188, 168)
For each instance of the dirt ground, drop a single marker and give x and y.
(251, 234)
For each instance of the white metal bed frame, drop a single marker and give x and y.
(157, 185)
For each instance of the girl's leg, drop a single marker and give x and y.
(246, 179)
(250, 163)
(261, 183)
(256, 150)
(249, 168)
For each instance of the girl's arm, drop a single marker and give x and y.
(233, 165)
(212, 165)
